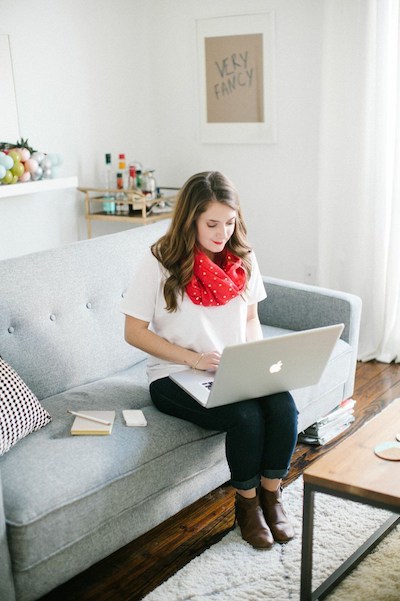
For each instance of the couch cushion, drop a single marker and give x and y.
(20, 411)
(87, 481)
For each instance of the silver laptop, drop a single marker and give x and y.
(263, 367)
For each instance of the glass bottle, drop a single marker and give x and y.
(120, 195)
(139, 168)
(122, 184)
(132, 177)
(149, 184)
(108, 207)
(123, 169)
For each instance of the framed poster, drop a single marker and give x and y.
(9, 125)
(236, 79)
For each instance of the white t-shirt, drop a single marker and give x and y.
(201, 329)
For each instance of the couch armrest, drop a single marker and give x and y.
(7, 591)
(295, 306)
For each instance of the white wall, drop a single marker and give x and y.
(121, 76)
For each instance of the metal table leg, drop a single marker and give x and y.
(307, 544)
(347, 566)
(306, 593)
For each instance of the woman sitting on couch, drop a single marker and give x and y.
(195, 293)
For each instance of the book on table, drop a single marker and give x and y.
(85, 427)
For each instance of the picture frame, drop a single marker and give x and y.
(9, 122)
(236, 79)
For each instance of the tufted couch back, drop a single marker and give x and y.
(60, 323)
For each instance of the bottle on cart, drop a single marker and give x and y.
(122, 169)
(120, 197)
(132, 185)
(108, 183)
(139, 177)
(122, 207)
(138, 169)
(149, 185)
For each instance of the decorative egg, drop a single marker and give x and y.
(2, 171)
(7, 179)
(47, 173)
(15, 154)
(25, 154)
(31, 165)
(35, 176)
(55, 159)
(17, 169)
(25, 177)
(46, 163)
(38, 174)
(38, 156)
(6, 161)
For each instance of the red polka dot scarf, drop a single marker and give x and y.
(213, 285)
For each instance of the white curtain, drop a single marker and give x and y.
(359, 175)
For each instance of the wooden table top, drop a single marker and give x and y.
(352, 467)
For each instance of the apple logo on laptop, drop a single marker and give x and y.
(275, 367)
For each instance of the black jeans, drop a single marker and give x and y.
(261, 433)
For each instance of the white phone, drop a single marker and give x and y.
(134, 417)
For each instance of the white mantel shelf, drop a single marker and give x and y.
(43, 185)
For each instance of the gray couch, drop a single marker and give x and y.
(67, 502)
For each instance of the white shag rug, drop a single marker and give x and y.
(232, 570)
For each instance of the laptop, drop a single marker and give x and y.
(263, 367)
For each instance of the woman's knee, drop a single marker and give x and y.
(280, 406)
(243, 414)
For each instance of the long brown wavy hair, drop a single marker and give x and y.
(175, 250)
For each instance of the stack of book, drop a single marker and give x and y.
(329, 426)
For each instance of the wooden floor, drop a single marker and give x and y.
(144, 564)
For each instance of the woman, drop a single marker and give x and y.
(197, 292)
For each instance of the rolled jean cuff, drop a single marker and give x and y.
(246, 484)
(272, 474)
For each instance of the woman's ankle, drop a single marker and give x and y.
(270, 484)
(247, 494)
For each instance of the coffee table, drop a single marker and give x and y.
(352, 471)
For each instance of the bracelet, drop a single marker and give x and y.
(198, 361)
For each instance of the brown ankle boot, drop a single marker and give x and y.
(275, 515)
(251, 521)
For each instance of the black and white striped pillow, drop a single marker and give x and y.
(20, 411)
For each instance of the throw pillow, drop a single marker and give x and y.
(20, 411)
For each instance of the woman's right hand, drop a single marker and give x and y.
(208, 361)
(137, 334)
